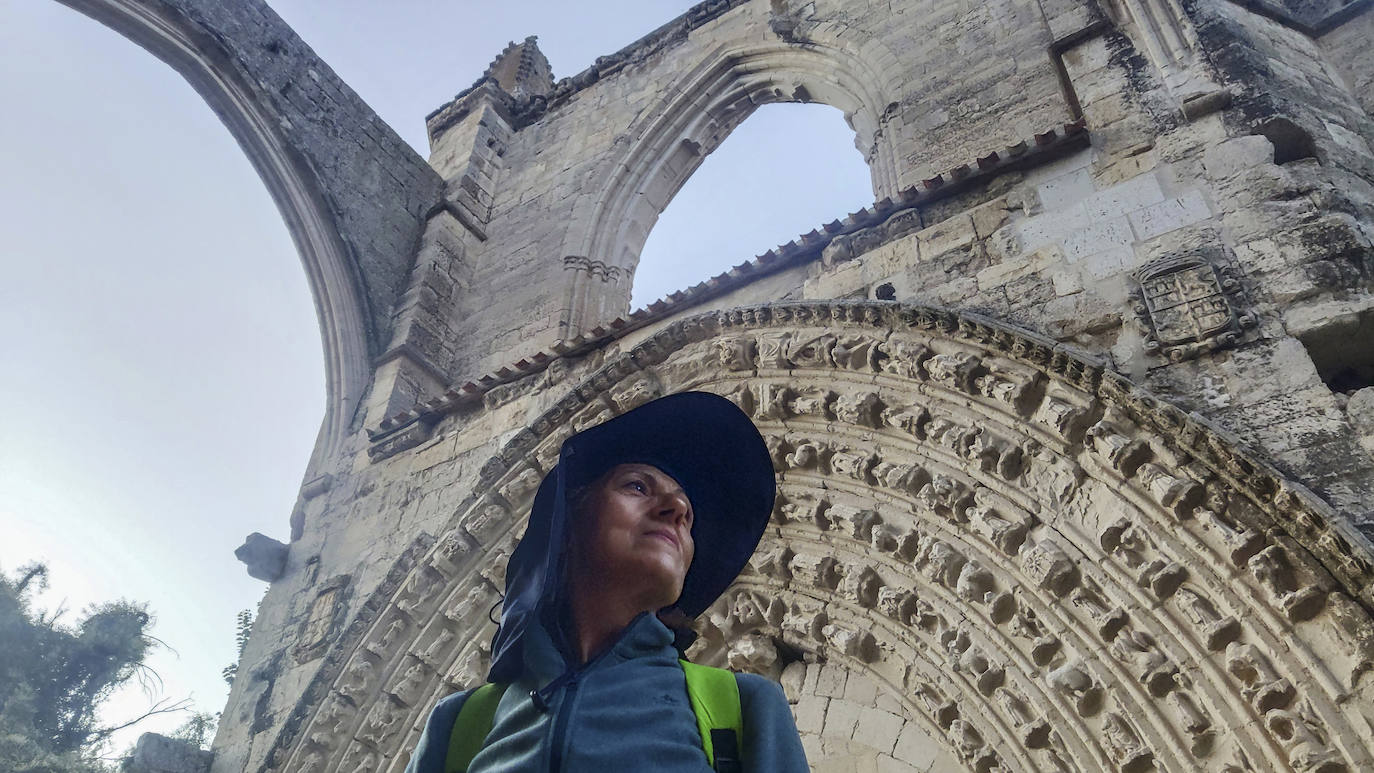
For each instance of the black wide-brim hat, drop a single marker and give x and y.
(706, 444)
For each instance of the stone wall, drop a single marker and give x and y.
(1347, 50)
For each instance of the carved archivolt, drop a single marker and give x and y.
(1039, 564)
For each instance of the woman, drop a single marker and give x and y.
(642, 524)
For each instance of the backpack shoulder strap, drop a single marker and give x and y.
(714, 696)
(471, 727)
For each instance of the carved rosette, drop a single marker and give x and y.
(1039, 566)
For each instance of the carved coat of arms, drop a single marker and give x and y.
(1187, 306)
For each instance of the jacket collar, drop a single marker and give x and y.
(645, 636)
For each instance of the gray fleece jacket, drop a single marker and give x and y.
(624, 711)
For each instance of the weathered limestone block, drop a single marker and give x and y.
(154, 753)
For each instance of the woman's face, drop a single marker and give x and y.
(636, 528)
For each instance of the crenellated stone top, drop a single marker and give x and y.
(527, 107)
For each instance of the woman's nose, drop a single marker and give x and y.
(674, 505)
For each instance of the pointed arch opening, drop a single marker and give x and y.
(353, 281)
(785, 170)
(168, 382)
(670, 142)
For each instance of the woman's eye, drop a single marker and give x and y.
(638, 486)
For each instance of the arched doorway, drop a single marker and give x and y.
(1027, 560)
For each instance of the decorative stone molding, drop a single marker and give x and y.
(593, 268)
(1036, 563)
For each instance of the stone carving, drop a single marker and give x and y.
(476, 600)
(1074, 681)
(413, 679)
(638, 392)
(382, 644)
(321, 621)
(469, 671)
(1049, 567)
(1007, 384)
(861, 408)
(363, 761)
(807, 454)
(1273, 569)
(384, 721)
(1124, 743)
(1187, 306)
(811, 402)
(772, 401)
(1217, 631)
(1263, 686)
(438, 648)
(419, 594)
(313, 763)
(1139, 553)
(522, 486)
(955, 370)
(812, 352)
(1147, 663)
(735, 353)
(1106, 617)
(1034, 731)
(946, 497)
(1051, 476)
(1192, 719)
(755, 654)
(1008, 533)
(859, 353)
(357, 681)
(453, 553)
(484, 521)
(1177, 495)
(1304, 742)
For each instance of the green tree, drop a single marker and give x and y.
(54, 676)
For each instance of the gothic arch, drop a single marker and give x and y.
(1040, 565)
(660, 152)
(335, 280)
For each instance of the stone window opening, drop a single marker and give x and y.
(785, 170)
(1291, 142)
(1344, 359)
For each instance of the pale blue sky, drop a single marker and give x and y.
(160, 364)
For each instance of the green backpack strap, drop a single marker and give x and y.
(714, 695)
(471, 726)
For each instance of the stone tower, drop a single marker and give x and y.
(1073, 426)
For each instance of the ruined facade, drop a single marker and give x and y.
(1073, 426)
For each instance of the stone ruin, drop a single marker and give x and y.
(1073, 426)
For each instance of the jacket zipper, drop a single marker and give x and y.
(560, 725)
(568, 681)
